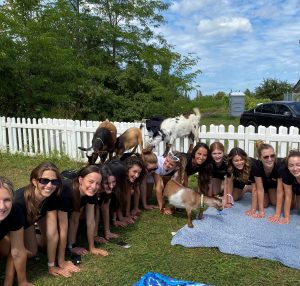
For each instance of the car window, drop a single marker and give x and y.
(267, 108)
(296, 107)
(281, 109)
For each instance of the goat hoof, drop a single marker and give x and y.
(190, 225)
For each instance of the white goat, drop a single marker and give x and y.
(179, 126)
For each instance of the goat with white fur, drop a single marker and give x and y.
(179, 126)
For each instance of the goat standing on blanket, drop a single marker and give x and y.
(179, 126)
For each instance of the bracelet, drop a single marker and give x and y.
(51, 264)
(70, 246)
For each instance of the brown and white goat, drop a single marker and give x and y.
(186, 198)
(131, 138)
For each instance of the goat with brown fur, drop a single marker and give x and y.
(131, 138)
(186, 198)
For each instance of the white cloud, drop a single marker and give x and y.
(224, 26)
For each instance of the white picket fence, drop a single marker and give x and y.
(45, 136)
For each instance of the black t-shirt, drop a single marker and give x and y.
(289, 179)
(271, 180)
(190, 169)
(14, 221)
(66, 198)
(48, 204)
(219, 172)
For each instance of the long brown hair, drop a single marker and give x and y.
(29, 192)
(205, 174)
(148, 156)
(240, 175)
(75, 184)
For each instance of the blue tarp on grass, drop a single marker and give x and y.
(156, 279)
(235, 233)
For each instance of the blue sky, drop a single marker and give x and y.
(239, 43)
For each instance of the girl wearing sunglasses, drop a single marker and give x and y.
(159, 171)
(267, 179)
(290, 174)
(38, 202)
(12, 247)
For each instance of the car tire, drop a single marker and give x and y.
(253, 124)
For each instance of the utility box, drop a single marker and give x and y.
(236, 103)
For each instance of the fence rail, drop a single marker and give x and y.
(63, 136)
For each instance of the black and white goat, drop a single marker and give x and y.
(176, 127)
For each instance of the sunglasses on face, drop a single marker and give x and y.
(45, 181)
(173, 157)
(272, 156)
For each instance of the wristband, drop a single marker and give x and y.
(70, 246)
(51, 264)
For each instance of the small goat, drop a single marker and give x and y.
(179, 126)
(182, 197)
(131, 138)
(103, 142)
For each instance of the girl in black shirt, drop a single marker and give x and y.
(219, 163)
(12, 246)
(290, 174)
(267, 178)
(83, 191)
(38, 201)
(238, 175)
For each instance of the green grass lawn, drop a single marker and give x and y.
(151, 250)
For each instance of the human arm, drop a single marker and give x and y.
(287, 204)
(106, 220)
(136, 200)
(72, 233)
(258, 197)
(279, 202)
(228, 189)
(90, 230)
(253, 208)
(62, 243)
(19, 256)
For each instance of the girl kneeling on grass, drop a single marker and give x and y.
(12, 221)
(135, 171)
(238, 176)
(219, 163)
(39, 201)
(291, 187)
(267, 178)
(159, 171)
(83, 191)
(106, 202)
(199, 161)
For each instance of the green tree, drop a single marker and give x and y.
(273, 89)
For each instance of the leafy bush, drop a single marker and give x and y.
(251, 102)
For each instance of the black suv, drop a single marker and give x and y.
(276, 113)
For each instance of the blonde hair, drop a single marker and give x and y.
(261, 145)
(148, 156)
(7, 185)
